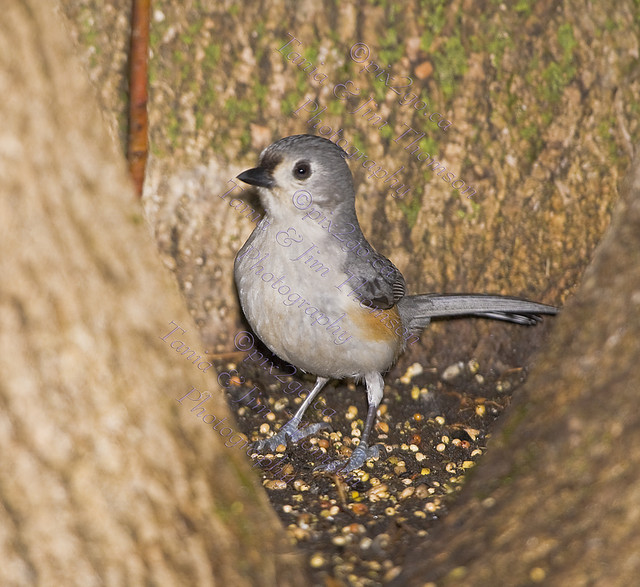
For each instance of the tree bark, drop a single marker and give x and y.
(544, 100)
(105, 479)
(555, 500)
(541, 97)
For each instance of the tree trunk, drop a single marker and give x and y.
(105, 478)
(541, 97)
(555, 501)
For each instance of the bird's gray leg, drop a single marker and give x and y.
(290, 430)
(362, 453)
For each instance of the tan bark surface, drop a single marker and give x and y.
(542, 97)
(544, 101)
(105, 479)
(556, 500)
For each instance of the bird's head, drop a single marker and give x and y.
(302, 164)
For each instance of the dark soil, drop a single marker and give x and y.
(434, 423)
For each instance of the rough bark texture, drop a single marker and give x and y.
(542, 97)
(556, 501)
(105, 479)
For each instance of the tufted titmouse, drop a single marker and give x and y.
(350, 315)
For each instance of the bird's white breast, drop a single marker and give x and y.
(283, 297)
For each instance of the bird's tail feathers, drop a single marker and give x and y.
(417, 311)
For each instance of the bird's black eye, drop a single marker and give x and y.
(302, 170)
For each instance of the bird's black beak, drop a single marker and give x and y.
(257, 176)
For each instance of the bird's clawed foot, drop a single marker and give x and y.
(361, 454)
(290, 432)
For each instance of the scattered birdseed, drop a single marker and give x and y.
(275, 484)
(287, 469)
(366, 543)
(407, 492)
(481, 410)
(298, 533)
(422, 491)
(354, 529)
(339, 540)
(234, 379)
(378, 492)
(479, 379)
(399, 469)
(411, 372)
(503, 386)
(359, 509)
(317, 560)
(452, 371)
(382, 541)
(383, 427)
(472, 432)
(392, 574)
(327, 506)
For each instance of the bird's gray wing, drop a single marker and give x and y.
(376, 279)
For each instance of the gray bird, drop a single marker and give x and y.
(320, 296)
